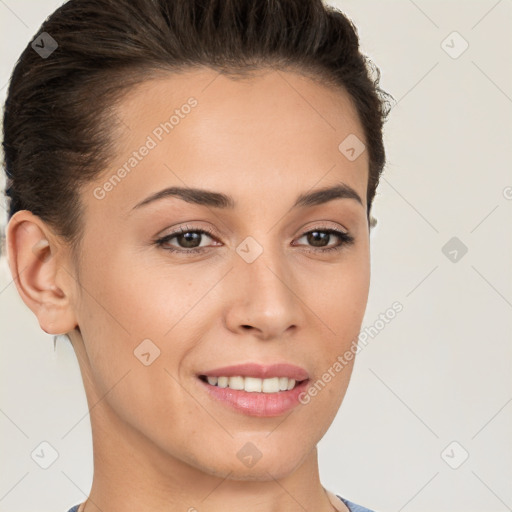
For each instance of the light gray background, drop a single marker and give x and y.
(441, 370)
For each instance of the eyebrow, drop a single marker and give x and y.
(218, 200)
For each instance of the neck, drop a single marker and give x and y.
(131, 473)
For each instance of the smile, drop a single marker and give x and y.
(255, 389)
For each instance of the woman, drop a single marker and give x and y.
(190, 188)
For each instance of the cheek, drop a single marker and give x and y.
(342, 296)
(125, 314)
(341, 304)
(132, 298)
(131, 309)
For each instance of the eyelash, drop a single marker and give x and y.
(345, 239)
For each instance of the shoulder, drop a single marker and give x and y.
(74, 509)
(353, 507)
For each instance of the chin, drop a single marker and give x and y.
(263, 467)
(258, 473)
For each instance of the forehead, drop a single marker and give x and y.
(267, 93)
(204, 129)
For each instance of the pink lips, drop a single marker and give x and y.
(258, 404)
(260, 371)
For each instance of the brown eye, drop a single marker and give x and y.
(188, 240)
(319, 239)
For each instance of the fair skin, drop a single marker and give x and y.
(161, 443)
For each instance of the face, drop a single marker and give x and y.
(178, 287)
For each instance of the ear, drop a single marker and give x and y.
(38, 266)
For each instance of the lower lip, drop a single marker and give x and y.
(257, 403)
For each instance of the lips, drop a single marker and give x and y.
(254, 389)
(259, 371)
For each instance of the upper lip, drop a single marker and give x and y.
(260, 371)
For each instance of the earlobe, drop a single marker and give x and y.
(34, 264)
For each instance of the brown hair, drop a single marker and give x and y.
(59, 121)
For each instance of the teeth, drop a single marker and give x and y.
(253, 384)
(236, 382)
(270, 385)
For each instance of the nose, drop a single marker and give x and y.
(263, 297)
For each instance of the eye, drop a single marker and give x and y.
(319, 238)
(189, 240)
